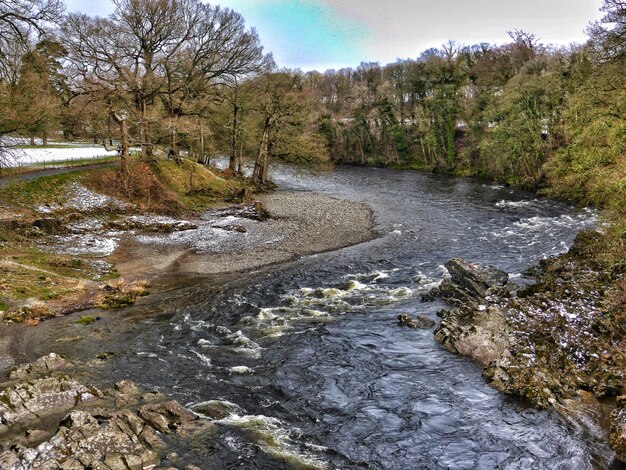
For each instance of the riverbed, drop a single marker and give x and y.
(308, 358)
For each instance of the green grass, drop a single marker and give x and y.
(85, 320)
(47, 189)
(3, 306)
(197, 187)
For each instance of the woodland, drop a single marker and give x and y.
(180, 77)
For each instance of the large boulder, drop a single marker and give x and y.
(481, 333)
(468, 282)
(475, 278)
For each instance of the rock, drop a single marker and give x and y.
(51, 226)
(483, 335)
(475, 278)
(97, 435)
(216, 409)
(231, 228)
(41, 366)
(254, 211)
(468, 282)
(170, 416)
(617, 434)
(26, 402)
(417, 322)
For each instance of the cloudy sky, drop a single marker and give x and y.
(322, 34)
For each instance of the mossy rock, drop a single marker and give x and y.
(86, 320)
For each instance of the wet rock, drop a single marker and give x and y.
(41, 366)
(617, 435)
(417, 322)
(475, 278)
(171, 416)
(216, 409)
(469, 282)
(482, 334)
(26, 402)
(127, 387)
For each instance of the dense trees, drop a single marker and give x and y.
(522, 113)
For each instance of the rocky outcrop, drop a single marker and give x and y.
(53, 421)
(551, 342)
(617, 434)
(469, 282)
(472, 327)
(480, 332)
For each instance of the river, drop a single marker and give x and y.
(309, 360)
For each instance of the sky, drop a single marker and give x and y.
(325, 34)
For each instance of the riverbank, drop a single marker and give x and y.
(72, 241)
(299, 224)
(560, 342)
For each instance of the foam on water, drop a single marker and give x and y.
(270, 435)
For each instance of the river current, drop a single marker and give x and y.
(308, 358)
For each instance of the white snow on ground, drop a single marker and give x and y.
(38, 155)
(83, 199)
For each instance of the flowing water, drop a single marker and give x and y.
(310, 363)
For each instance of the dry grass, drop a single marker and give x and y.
(120, 293)
(139, 186)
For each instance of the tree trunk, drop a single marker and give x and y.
(44, 138)
(175, 150)
(266, 162)
(202, 158)
(259, 165)
(144, 130)
(232, 163)
(124, 142)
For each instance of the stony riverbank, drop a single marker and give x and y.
(63, 251)
(557, 342)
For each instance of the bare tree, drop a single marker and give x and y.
(20, 21)
(609, 34)
(160, 53)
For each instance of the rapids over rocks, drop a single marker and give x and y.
(303, 365)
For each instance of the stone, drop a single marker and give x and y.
(417, 322)
(127, 387)
(475, 278)
(41, 366)
(480, 334)
(25, 402)
(617, 434)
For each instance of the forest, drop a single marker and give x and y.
(186, 77)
